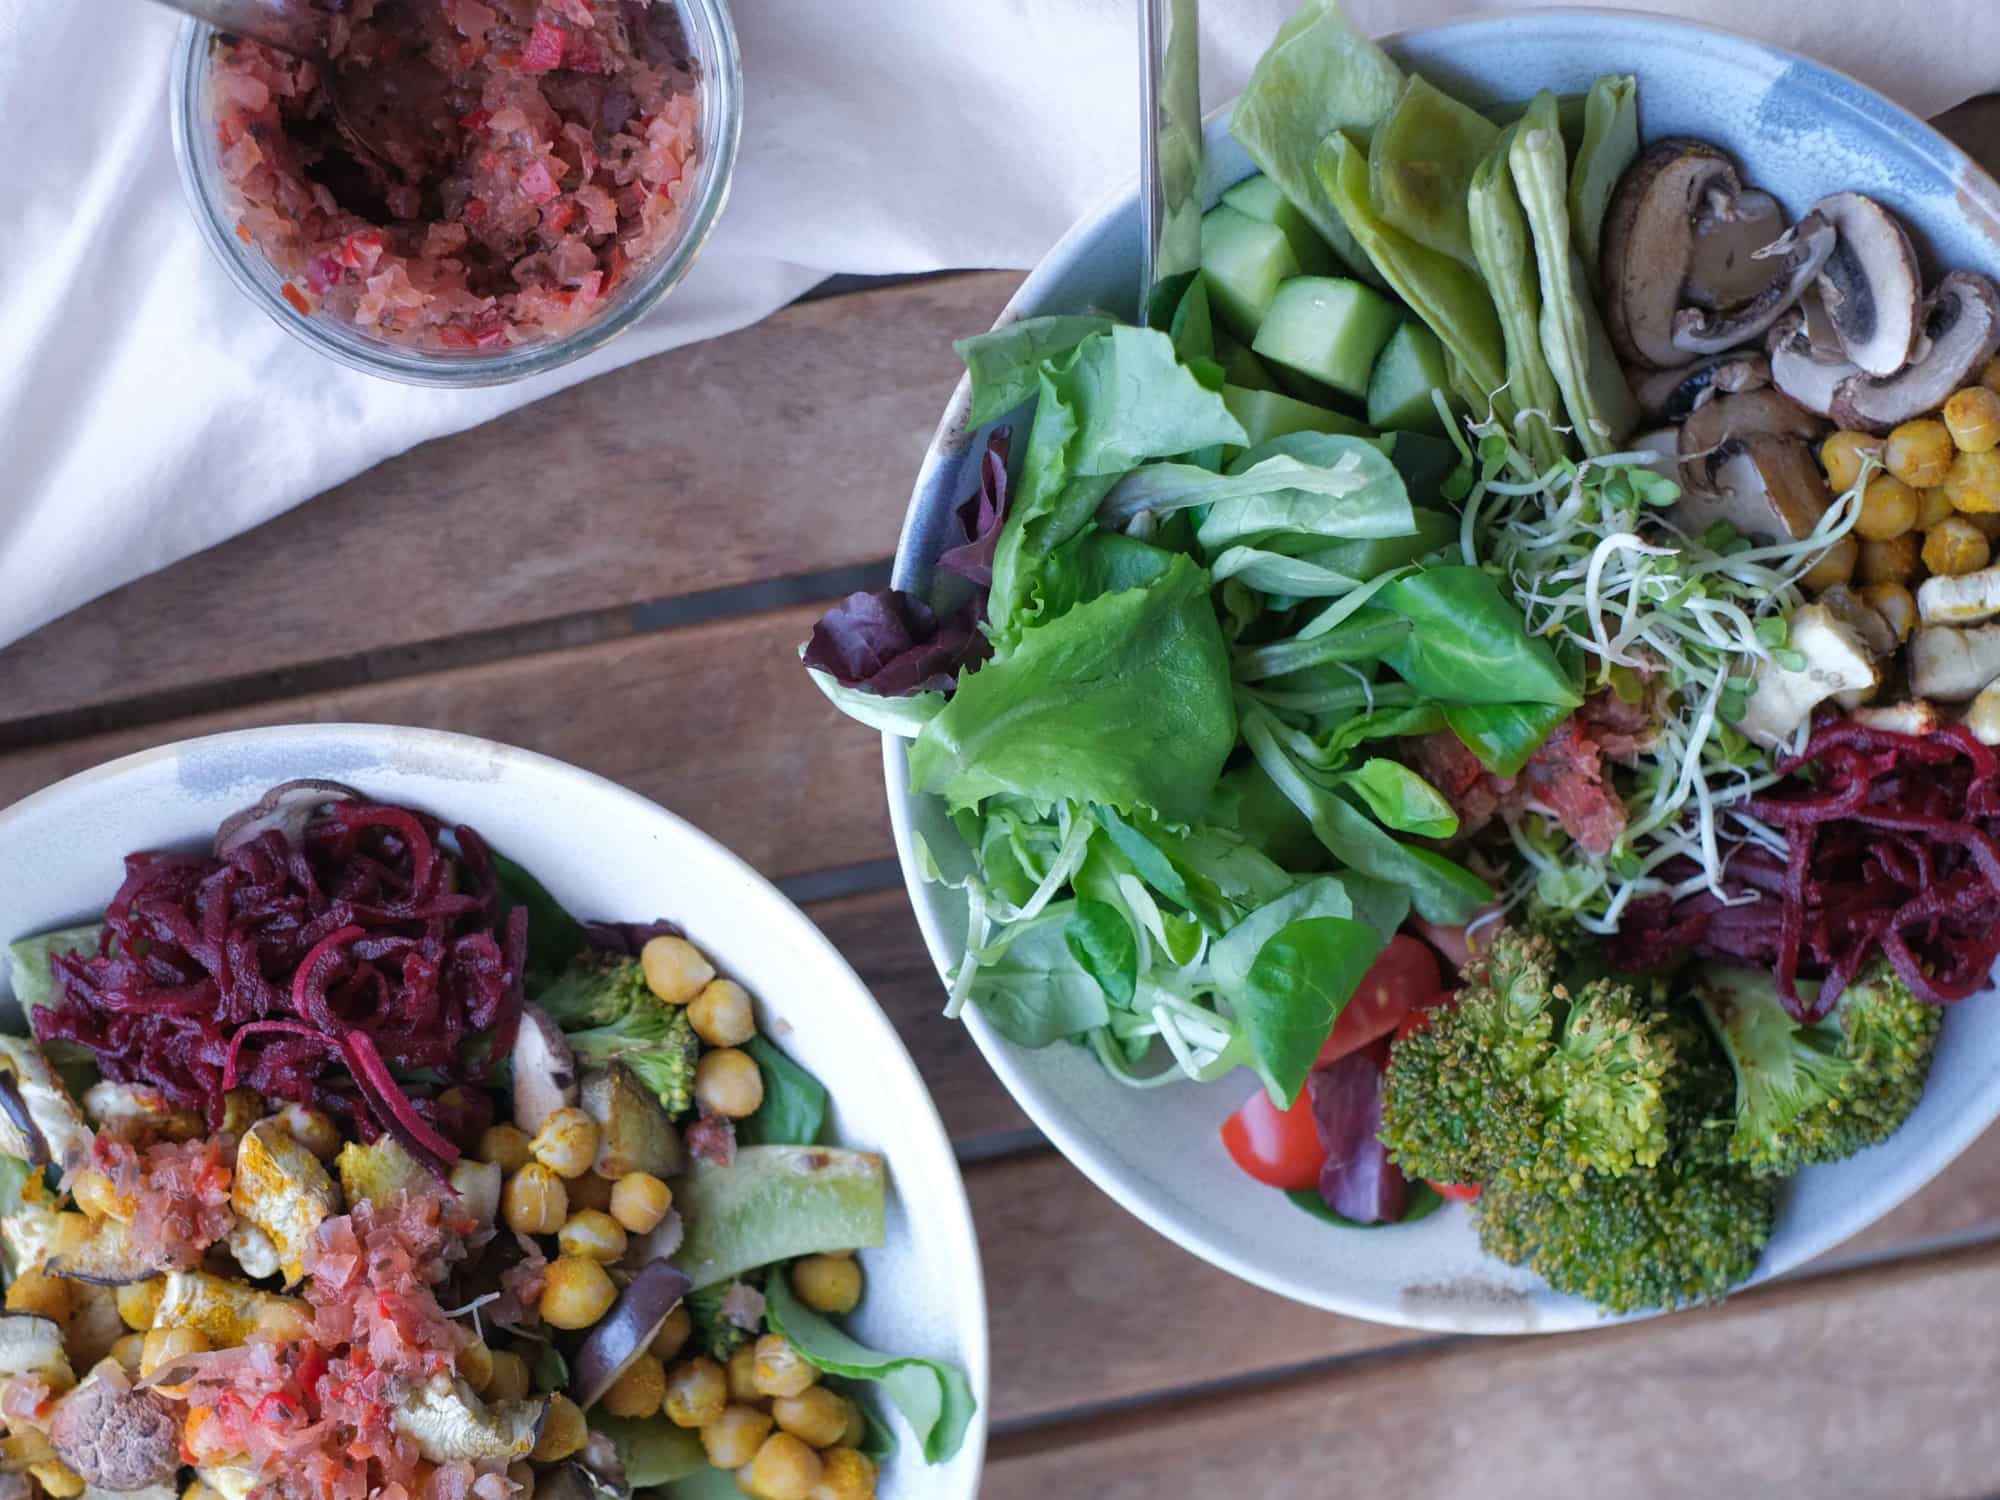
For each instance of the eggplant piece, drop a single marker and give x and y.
(775, 1203)
(450, 1424)
(39, 1122)
(544, 1070)
(226, 1312)
(624, 1333)
(281, 1188)
(108, 1258)
(634, 1132)
(115, 1435)
(31, 1346)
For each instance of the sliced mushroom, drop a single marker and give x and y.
(624, 1333)
(1962, 332)
(1675, 395)
(1747, 460)
(544, 1070)
(1870, 286)
(1837, 660)
(1664, 443)
(1951, 664)
(1681, 274)
(1804, 371)
(1966, 599)
(115, 1435)
(450, 1424)
(286, 809)
(1800, 253)
(1913, 717)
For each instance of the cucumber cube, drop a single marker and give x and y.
(1240, 366)
(1328, 328)
(1269, 414)
(1263, 200)
(1409, 368)
(1244, 262)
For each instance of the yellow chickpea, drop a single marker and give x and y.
(35, 1291)
(139, 1303)
(1841, 455)
(727, 1082)
(567, 1142)
(1933, 506)
(130, 1351)
(1919, 453)
(722, 1015)
(594, 1235)
(845, 1475)
(536, 1202)
(1833, 567)
(563, 1432)
(58, 1480)
(857, 1426)
(816, 1416)
(1888, 509)
(674, 1333)
(475, 1365)
(507, 1145)
(640, 1391)
(674, 969)
(165, 1345)
(576, 1293)
(697, 1391)
(1973, 418)
(1974, 481)
(742, 1373)
(1893, 561)
(639, 1201)
(1894, 603)
(509, 1380)
(784, 1469)
(780, 1369)
(313, 1129)
(828, 1285)
(1956, 546)
(733, 1438)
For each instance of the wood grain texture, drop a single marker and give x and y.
(784, 449)
(716, 721)
(1875, 1384)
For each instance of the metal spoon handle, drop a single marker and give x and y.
(294, 26)
(1169, 153)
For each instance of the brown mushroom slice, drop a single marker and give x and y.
(624, 1333)
(1724, 268)
(544, 1070)
(1747, 460)
(1961, 332)
(1649, 243)
(450, 1424)
(1677, 394)
(1804, 371)
(115, 1435)
(1800, 253)
(1871, 287)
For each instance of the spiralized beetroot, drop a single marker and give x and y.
(318, 973)
(1894, 849)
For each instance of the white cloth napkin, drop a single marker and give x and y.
(147, 410)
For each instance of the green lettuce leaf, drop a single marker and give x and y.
(1005, 364)
(794, 1109)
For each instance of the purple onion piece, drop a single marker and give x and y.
(1358, 1182)
(286, 809)
(628, 937)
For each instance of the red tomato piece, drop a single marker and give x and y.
(1278, 1147)
(1403, 974)
(1456, 1192)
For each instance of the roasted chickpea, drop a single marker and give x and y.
(826, 1284)
(1973, 418)
(592, 1234)
(536, 1201)
(165, 1345)
(1841, 455)
(697, 1391)
(816, 1416)
(1833, 567)
(674, 969)
(1956, 546)
(1919, 453)
(639, 1201)
(845, 1475)
(784, 1469)
(139, 1303)
(563, 1431)
(475, 1365)
(567, 1142)
(35, 1291)
(742, 1372)
(591, 1191)
(780, 1369)
(1974, 481)
(1933, 506)
(576, 1293)
(674, 1333)
(509, 1380)
(507, 1145)
(721, 1014)
(1888, 509)
(857, 1425)
(733, 1438)
(727, 1082)
(640, 1391)
(1893, 561)
(130, 1352)
(313, 1129)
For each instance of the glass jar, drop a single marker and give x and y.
(711, 40)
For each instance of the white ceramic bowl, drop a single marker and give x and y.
(607, 853)
(1801, 131)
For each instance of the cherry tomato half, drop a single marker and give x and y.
(1456, 1192)
(1278, 1147)
(1403, 974)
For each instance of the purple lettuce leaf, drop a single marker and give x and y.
(982, 516)
(1358, 1182)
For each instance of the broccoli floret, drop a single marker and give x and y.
(1819, 1091)
(1683, 1232)
(606, 1011)
(1521, 1080)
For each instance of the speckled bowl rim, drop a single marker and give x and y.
(1979, 198)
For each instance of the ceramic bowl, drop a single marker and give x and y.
(1800, 131)
(604, 852)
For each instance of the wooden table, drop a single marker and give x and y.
(619, 577)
